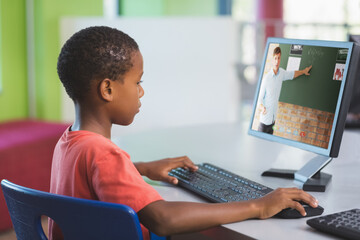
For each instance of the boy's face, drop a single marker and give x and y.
(276, 61)
(128, 93)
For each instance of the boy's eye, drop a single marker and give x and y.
(138, 83)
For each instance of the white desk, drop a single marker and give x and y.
(229, 146)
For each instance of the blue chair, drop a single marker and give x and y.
(77, 218)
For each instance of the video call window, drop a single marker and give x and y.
(295, 105)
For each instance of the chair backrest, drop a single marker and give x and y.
(77, 218)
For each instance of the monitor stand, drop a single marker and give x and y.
(309, 176)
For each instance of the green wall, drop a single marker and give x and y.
(191, 7)
(13, 55)
(13, 96)
(168, 7)
(0, 50)
(143, 8)
(47, 47)
(13, 51)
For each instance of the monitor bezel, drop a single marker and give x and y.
(308, 147)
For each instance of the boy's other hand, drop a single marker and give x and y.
(159, 170)
(282, 198)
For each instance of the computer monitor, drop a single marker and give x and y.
(353, 117)
(302, 98)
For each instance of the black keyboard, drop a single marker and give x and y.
(218, 185)
(343, 224)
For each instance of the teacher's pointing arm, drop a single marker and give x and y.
(301, 72)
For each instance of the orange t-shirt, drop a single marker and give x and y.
(88, 165)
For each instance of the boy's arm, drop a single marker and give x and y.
(167, 218)
(158, 170)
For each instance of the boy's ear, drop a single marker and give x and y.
(106, 90)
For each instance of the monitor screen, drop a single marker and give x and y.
(300, 95)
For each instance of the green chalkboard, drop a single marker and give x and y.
(318, 90)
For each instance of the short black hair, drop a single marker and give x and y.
(94, 53)
(277, 50)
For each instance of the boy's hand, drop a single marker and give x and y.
(282, 198)
(158, 170)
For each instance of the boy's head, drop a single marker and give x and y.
(94, 54)
(276, 57)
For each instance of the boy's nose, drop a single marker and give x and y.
(141, 92)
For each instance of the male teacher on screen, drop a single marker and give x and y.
(270, 91)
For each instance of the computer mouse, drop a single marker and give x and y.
(293, 213)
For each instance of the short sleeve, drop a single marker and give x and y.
(116, 179)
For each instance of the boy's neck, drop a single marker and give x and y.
(93, 121)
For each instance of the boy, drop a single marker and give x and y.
(101, 70)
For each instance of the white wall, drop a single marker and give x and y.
(189, 69)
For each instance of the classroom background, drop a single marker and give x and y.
(201, 64)
(30, 42)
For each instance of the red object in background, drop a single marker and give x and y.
(302, 134)
(26, 148)
(271, 12)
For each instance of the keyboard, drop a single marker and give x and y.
(218, 185)
(344, 224)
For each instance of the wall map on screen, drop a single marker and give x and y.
(300, 89)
